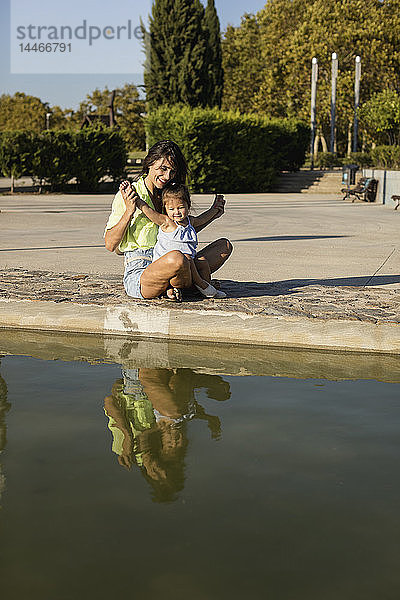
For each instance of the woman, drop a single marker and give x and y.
(148, 411)
(130, 232)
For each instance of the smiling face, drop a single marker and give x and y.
(176, 208)
(160, 173)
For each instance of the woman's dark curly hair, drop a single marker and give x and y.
(171, 151)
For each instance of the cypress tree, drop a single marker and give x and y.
(175, 70)
(213, 64)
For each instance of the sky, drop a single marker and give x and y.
(94, 44)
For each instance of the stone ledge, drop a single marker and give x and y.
(291, 298)
(283, 314)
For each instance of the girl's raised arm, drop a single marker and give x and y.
(129, 193)
(214, 212)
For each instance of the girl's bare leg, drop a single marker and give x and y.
(196, 277)
(171, 270)
(204, 287)
(203, 268)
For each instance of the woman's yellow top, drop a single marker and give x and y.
(141, 232)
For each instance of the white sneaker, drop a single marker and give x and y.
(211, 292)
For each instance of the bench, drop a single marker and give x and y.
(365, 190)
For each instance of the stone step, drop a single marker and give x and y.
(312, 175)
(318, 182)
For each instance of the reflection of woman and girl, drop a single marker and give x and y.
(148, 411)
(4, 408)
(132, 230)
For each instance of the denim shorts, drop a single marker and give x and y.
(135, 263)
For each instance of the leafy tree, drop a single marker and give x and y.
(256, 57)
(380, 117)
(61, 118)
(350, 28)
(213, 59)
(22, 112)
(176, 69)
(288, 33)
(242, 65)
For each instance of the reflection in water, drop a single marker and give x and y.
(148, 411)
(4, 407)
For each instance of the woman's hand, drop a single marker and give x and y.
(129, 195)
(219, 205)
(114, 235)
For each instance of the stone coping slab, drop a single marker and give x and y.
(288, 314)
(214, 358)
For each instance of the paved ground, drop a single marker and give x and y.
(295, 238)
(296, 256)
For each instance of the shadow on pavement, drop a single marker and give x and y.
(105, 187)
(52, 248)
(252, 289)
(288, 238)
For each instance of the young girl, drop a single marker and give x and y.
(176, 232)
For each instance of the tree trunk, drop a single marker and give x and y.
(316, 144)
(349, 139)
(324, 144)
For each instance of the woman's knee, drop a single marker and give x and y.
(176, 260)
(226, 245)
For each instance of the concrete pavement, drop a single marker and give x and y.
(307, 271)
(276, 237)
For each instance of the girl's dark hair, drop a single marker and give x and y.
(170, 150)
(178, 190)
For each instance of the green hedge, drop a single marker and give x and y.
(386, 157)
(52, 158)
(381, 157)
(327, 160)
(15, 153)
(230, 152)
(55, 157)
(98, 153)
(362, 159)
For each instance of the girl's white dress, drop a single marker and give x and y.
(183, 238)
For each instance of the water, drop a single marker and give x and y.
(147, 482)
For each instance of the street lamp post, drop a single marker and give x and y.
(314, 79)
(48, 115)
(356, 101)
(333, 101)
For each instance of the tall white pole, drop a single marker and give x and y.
(356, 101)
(314, 79)
(333, 101)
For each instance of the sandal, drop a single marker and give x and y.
(216, 283)
(175, 295)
